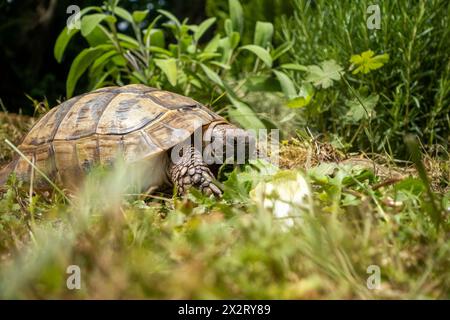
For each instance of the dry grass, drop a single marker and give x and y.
(13, 127)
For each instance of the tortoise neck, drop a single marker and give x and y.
(220, 130)
(214, 129)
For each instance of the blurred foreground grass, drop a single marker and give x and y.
(309, 230)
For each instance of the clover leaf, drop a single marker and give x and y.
(366, 61)
(323, 75)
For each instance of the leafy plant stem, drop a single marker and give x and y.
(369, 116)
(413, 146)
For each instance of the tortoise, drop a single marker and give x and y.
(141, 124)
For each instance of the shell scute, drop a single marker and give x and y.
(127, 113)
(45, 129)
(83, 117)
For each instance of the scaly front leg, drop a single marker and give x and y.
(191, 171)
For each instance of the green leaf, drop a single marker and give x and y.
(124, 14)
(205, 56)
(244, 115)
(357, 111)
(260, 52)
(262, 83)
(101, 61)
(263, 34)
(241, 180)
(366, 62)
(213, 44)
(185, 43)
(131, 41)
(297, 103)
(234, 40)
(65, 35)
(237, 188)
(98, 36)
(170, 16)
(236, 15)
(241, 112)
(89, 22)
(62, 41)
(203, 27)
(100, 82)
(320, 174)
(119, 61)
(323, 75)
(139, 16)
(139, 77)
(216, 63)
(413, 185)
(228, 26)
(214, 77)
(161, 51)
(287, 85)
(155, 38)
(282, 49)
(80, 65)
(225, 46)
(304, 97)
(294, 66)
(169, 67)
(148, 32)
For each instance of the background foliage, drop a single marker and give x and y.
(28, 30)
(413, 87)
(170, 54)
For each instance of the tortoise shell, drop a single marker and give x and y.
(136, 121)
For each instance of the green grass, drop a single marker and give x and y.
(138, 247)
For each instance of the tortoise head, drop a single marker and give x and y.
(228, 143)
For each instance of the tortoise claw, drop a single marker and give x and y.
(215, 190)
